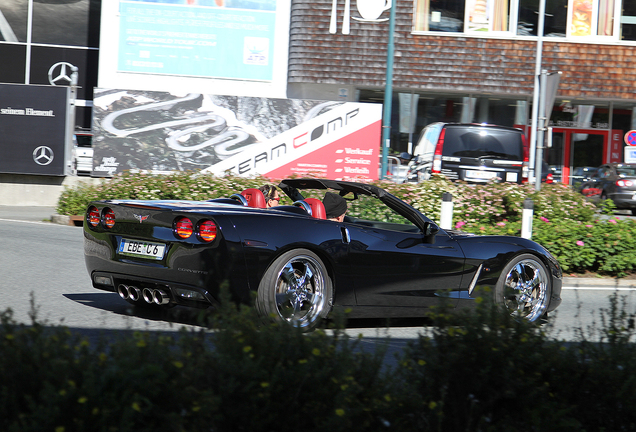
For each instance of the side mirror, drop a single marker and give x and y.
(430, 232)
(431, 229)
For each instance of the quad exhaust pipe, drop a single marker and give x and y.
(156, 296)
(150, 295)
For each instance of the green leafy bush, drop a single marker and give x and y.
(485, 371)
(604, 246)
(240, 376)
(474, 370)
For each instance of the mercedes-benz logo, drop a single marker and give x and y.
(43, 155)
(61, 73)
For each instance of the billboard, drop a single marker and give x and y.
(33, 129)
(236, 47)
(164, 132)
(204, 40)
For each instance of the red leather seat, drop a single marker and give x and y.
(255, 198)
(317, 208)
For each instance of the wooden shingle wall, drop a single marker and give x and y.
(447, 63)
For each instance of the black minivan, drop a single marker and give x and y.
(475, 153)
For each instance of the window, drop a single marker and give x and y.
(580, 115)
(487, 15)
(563, 18)
(554, 23)
(462, 15)
(440, 15)
(592, 17)
(628, 21)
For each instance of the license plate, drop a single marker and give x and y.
(142, 248)
(511, 176)
(481, 174)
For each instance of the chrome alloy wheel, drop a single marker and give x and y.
(300, 290)
(525, 289)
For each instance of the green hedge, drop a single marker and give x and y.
(564, 222)
(479, 371)
(474, 205)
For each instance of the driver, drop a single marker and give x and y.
(335, 207)
(272, 199)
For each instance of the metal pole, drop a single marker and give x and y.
(388, 95)
(541, 128)
(535, 96)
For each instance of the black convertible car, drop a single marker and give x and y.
(300, 264)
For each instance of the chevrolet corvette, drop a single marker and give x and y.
(296, 265)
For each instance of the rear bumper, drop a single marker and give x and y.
(178, 293)
(624, 200)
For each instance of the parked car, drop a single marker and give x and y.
(300, 265)
(475, 153)
(615, 181)
(82, 154)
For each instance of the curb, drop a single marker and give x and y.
(574, 282)
(60, 219)
(67, 220)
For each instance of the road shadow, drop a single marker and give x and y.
(111, 302)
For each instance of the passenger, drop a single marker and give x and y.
(335, 207)
(271, 195)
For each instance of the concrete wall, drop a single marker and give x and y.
(32, 190)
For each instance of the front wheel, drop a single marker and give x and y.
(296, 288)
(524, 287)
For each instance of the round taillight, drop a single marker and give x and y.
(207, 231)
(92, 216)
(624, 183)
(108, 216)
(183, 228)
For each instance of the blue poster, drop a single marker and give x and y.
(199, 38)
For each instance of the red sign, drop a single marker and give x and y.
(616, 147)
(630, 138)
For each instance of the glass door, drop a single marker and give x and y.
(553, 156)
(579, 149)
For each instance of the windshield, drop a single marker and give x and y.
(479, 142)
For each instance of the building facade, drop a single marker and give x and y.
(475, 61)
(454, 60)
(41, 40)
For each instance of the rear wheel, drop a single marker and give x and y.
(524, 287)
(296, 288)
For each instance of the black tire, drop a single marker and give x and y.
(633, 212)
(296, 288)
(524, 287)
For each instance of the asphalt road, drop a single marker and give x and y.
(42, 270)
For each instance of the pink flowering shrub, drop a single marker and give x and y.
(485, 205)
(606, 247)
